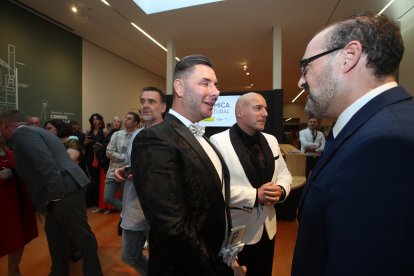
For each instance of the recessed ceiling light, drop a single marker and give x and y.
(74, 9)
(247, 73)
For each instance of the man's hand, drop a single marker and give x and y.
(269, 193)
(121, 175)
(239, 270)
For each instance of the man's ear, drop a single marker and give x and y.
(179, 87)
(238, 112)
(353, 53)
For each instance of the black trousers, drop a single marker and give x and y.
(258, 258)
(310, 164)
(67, 218)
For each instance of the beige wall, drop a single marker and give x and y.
(407, 64)
(297, 110)
(110, 84)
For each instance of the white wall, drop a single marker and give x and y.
(111, 85)
(407, 64)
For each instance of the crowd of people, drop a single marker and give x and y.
(206, 206)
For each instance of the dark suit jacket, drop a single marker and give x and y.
(181, 195)
(356, 212)
(45, 166)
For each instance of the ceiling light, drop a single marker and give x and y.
(247, 73)
(386, 7)
(106, 3)
(288, 119)
(74, 9)
(245, 67)
(301, 92)
(251, 85)
(151, 38)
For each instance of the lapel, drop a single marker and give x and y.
(226, 179)
(270, 159)
(186, 134)
(392, 96)
(195, 144)
(244, 159)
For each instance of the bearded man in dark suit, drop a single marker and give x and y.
(356, 212)
(56, 187)
(180, 180)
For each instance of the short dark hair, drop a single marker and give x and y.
(187, 63)
(380, 38)
(63, 129)
(136, 116)
(155, 89)
(12, 116)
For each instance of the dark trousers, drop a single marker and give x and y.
(310, 164)
(258, 258)
(92, 191)
(67, 218)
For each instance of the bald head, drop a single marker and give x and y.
(251, 112)
(33, 121)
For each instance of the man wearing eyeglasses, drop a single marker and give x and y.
(356, 212)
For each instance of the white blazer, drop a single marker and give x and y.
(243, 194)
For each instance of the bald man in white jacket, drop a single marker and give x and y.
(259, 179)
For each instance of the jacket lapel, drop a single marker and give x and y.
(186, 134)
(270, 159)
(243, 156)
(244, 159)
(383, 100)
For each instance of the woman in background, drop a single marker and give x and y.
(71, 142)
(95, 137)
(17, 213)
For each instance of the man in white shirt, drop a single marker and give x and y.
(312, 143)
(116, 152)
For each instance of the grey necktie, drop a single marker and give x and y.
(197, 130)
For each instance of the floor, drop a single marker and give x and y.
(36, 260)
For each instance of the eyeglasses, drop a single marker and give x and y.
(305, 62)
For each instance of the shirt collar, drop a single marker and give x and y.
(351, 110)
(180, 117)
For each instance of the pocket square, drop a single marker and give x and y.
(276, 157)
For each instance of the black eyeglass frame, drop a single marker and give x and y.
(305, 62)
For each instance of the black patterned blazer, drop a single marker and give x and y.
(181, 195)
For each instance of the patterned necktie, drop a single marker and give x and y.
(197, 130)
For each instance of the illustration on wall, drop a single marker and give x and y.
(9, 81)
